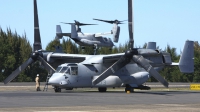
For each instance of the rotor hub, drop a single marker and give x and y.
(34, 55)
(129, 53)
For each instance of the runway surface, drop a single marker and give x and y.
(25, 98)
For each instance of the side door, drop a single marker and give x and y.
(74, 74)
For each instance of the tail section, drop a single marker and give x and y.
(59, 33)
(151, 45)
(186, 62)
(73, 31)
(58, 49)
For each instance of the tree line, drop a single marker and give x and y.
(16, 49)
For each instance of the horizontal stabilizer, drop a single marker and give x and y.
(186, 62)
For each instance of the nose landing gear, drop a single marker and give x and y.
(57, 89)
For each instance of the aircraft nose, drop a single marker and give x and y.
(52, 81)
(55, 79)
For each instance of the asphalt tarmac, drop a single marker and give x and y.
(25, 98)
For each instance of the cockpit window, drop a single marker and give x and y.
(105, 39)
(64, 69)
(58, 69)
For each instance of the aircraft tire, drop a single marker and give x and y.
(129, 89)
(57, 89)
(102, 89)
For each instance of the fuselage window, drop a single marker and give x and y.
(105, 39)
(74, 70)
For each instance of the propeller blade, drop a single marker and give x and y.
(18, 71)
(140, 60)
(125, 59)
(46, 65)
(82, 24)
(111, 21)
(37, 40)
(78, 23)
(130, 24)
(66, 23)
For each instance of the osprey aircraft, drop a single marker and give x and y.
(129, 69)
(90, 39)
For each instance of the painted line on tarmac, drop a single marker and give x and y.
(15, 86)
(146, 85)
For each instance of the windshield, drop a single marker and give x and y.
(62, 70)
(58, 69)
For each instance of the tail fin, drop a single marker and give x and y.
(59, 33)
(73, 31)
(186, 62)
(58, 49)
(151, 45)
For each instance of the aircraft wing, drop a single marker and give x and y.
(56, 59)
(102, 34)
(112, 58)
(66, 58)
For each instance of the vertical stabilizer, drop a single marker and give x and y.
(73, 31)
(186, 62)
(151, 45)
(58, 32)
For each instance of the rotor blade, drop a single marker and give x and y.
(46, 65)
(78, 23)
(82, 24)
(18, 71)
(140, 60)
(123, 20)
(66, 23)
(125, 59)
(37, 40)
(130, 24)
(111, 22)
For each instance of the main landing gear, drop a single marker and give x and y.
(102, 89)
(129, 89)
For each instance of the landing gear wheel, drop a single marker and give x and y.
(57, 89)
(102, 89)
(131, 90)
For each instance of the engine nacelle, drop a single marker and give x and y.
(115, 31)
(137, 78)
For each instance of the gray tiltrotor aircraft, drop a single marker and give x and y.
(89, 39)
(129, 69)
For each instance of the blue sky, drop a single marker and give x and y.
(163, 21)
